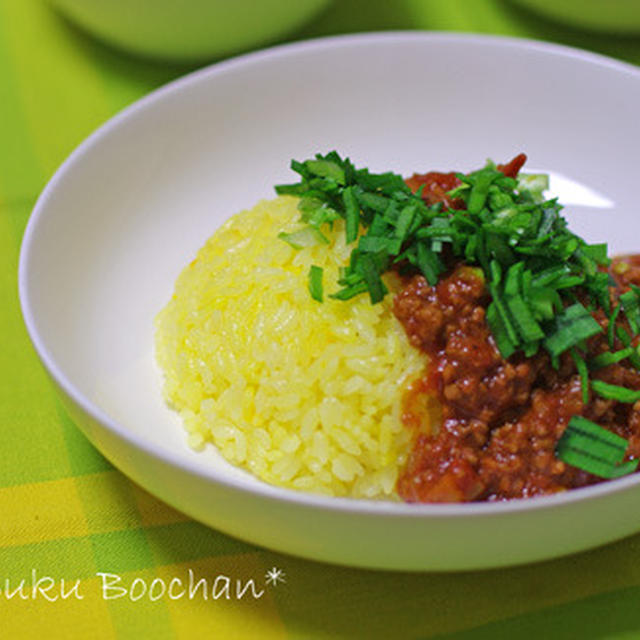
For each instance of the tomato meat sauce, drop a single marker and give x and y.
(498, 420)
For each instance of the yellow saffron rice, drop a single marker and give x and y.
(303, 394)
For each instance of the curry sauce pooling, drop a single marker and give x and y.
(531, 333)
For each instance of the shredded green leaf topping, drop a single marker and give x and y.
(315, 283)
(590, 447)
(534, 267)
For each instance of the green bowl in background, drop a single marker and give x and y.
(191, 29)
(615, 16)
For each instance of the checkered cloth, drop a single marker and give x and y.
(85, 553)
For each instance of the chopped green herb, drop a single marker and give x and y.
(499, 331)
(583, 370)
(326, 169)
(592, 448)
(315, 283)
(615, 392)
(611, 329)
(371, 275)
(352, 214)
(429, 263)
(625, 338)
(609, 357)
(305, 237)
(350, 291)
(573, 325)
(630, 301)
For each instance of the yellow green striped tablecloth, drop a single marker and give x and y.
(79, 542)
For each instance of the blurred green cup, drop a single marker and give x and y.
(189, 30)
(614, 16)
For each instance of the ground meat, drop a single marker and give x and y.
(626, 270)
(500, 420)
(512, 168)
(435, 186)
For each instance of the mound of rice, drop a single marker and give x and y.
(303, 394)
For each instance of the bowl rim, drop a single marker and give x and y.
(356, 506)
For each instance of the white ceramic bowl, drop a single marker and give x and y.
(134, 202)
(191, 29)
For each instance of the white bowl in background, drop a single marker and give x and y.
(190, 30)
(135, 201)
